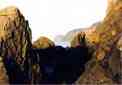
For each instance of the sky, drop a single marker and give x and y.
(56, 17)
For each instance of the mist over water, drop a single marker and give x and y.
(64, 44)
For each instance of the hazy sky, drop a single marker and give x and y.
(54, 17)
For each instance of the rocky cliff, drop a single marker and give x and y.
(108, 47)
(24, 62)
(15, 39)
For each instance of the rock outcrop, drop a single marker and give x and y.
(79, 40)
(15, 40)
(43, 43)
(90, 33)
(15, 34)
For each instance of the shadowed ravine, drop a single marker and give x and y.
(60, 64)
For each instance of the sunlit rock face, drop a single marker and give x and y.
(111, 3)
(15, 37)
(43, 42)
(109, 72)
(15, 34)
(95, 75)
(110, 29)
(79, 40)
(108, 67)
(91, 34)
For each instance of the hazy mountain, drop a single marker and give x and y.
(71, 34)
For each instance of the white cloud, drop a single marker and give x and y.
(53, 17)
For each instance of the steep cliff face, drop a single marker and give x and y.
(108, 49)
(91, 34)
(15, 34)
(110, 29)
(112, 3)
(15, 37)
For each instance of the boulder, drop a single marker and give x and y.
(43, 42)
